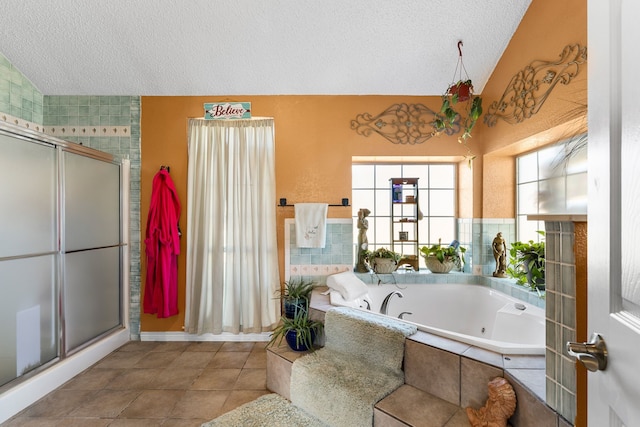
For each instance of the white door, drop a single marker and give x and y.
(614, 209)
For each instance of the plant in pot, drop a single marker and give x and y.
(299, 332)
(296, 295)
(384, 260)
(459, 100)
(527, 263)
(440, 259)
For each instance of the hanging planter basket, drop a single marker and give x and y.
(461, 91)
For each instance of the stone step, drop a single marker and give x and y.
(409, 406)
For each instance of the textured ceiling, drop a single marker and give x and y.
(226, 47)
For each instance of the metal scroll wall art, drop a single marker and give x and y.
(402, 124)
(531, 86)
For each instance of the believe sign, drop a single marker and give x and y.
(238, 110)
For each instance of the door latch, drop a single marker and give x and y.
(592, 354)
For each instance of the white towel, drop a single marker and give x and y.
(311, 224)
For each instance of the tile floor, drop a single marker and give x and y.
(171, 384)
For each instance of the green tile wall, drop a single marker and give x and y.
(18, 96)
(560, 274)
(114, 111)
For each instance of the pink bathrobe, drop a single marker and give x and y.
(162, 242)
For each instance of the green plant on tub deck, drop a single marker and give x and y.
(383, 260)
(440, 259)
(296, 294)
(527, 263)
(299, 332)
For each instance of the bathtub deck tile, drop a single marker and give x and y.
(474, 379)
(532, 379)
(524, 362)
(432, 370)
(442, 343)
(486, 356)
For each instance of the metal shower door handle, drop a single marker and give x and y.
(592, 354)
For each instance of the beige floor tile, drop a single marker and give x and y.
(228, 359)
(106, 403)
(142, 422)
(240, 397)
(134, 379)
(193, 359)
(152, 404)
(216, 379)
(171, 346)
(93, 379)
(179, 422)
(58, 403)
(139, 346)
(252, 379)
(256, 360)
(84, 422)
(155, 383)
(206, 404)
(157, 359)
(121, 359)
(237, 346)
(209, 346)
(175, 378)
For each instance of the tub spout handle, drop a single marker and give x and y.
(385, 304)
(401, 316)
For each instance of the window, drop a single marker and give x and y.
(552, 180)
(371, 189)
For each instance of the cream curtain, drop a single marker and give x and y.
(232, 257)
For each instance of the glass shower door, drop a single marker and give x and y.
(28, 257)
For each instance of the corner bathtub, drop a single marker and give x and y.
(473, 314)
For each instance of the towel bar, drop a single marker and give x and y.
(283, 203)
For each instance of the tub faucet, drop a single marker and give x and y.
(385, 303)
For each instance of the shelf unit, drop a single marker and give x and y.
(404, 218)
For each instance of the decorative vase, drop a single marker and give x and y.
(435, 266)
(291, 338)
(384, 265)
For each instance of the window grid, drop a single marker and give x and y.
(374, 193)
(550, 180)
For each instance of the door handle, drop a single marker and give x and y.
(592, 354)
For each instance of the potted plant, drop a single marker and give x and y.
(384, 260)
(458, 93)
(296, 295)
(527, 263)
(299, 332)
(439, 259)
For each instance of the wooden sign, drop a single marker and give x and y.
(227, 110)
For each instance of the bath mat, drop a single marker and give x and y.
(270, 410)
(360, 364)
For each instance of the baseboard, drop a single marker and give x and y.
(31, 390)
(183, 336)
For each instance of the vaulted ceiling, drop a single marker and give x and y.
(227, 47)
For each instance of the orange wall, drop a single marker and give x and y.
(314, 147)
(315, 144)
(547, 27)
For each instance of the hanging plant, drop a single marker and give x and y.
(459, 105)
